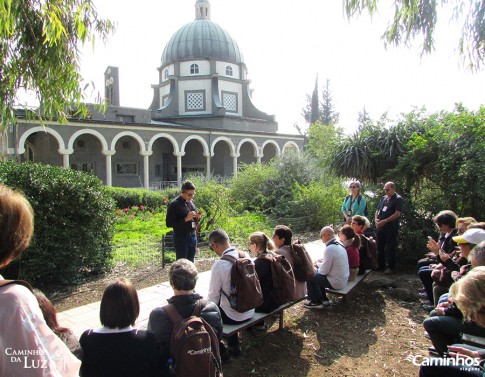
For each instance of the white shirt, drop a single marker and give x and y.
(28, 346)
(221, 279)
(335, 265)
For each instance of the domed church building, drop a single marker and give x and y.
(201, 119)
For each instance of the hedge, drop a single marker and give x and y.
(74, 223)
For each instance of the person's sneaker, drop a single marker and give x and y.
(428, 307)
(307, 302)
(388, 271)
(423, 295)
(314, 305)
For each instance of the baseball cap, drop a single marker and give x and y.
(474, 236)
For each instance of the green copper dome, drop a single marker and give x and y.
(201, 39)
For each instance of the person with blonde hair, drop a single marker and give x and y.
(22, 324)
(468, 294)
(260, 246)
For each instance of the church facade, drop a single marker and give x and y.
(201, 120)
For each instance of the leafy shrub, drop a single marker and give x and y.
(73, 222)
(319, 204)
(130, 197)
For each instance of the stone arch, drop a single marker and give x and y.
(101, 138)
(227, 140)
(290, 145)
(195, 137)
(26, 134)
(274, 143)
(133, 135)
(250, 141)
(165, 136)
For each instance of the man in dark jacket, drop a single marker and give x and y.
(182, 216)
(183, 276)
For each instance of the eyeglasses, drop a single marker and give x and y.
(352, 187)
(387, 189)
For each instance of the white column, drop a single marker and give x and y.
(65, 156)
(179, 165)
(108, 154)
(258, 158)
(146, 170)
(208, 166)
(234, 163)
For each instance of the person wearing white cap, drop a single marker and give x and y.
(466, 242)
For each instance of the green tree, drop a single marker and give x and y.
(40, 55)
(322, 111)
(415, 18)
(329, 115)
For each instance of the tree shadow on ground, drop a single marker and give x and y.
(345, 328)
(269, 353)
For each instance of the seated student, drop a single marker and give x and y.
(469, 295)
(282, 239)
(117, 348)
(22, 325)
(331, 272)
(221, 281)
(260, 246)
(445, 323)
(183, 276)
(442, 277)
(446, 223)
(367, 249)
(50, 316)
(351, 242)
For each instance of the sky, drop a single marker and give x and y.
(285, 45)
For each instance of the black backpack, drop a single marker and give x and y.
(368, 254)
(246, 293)
(194, 345)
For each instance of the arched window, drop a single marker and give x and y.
(229, 70)
(194, 69)
(165, 74)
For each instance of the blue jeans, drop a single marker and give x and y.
(316, 288)
(184, 245)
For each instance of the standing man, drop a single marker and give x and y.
(387, 222)
(182, 216)
(332, 271)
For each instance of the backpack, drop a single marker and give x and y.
(246, 293)
(194, 346)
(359, 198)
(302, 262)
(368, 260)
(283, 278)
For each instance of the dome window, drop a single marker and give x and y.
(165, 74)
(194, 69)
(229, 70)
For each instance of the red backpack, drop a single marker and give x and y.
(246, 293)
(302, 262)
(194, 346)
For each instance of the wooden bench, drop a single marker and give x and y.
(350, 286)
(234, 329)
(473, 340)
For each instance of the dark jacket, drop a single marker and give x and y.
(263, 269)
(176, 212)
(162, 326)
